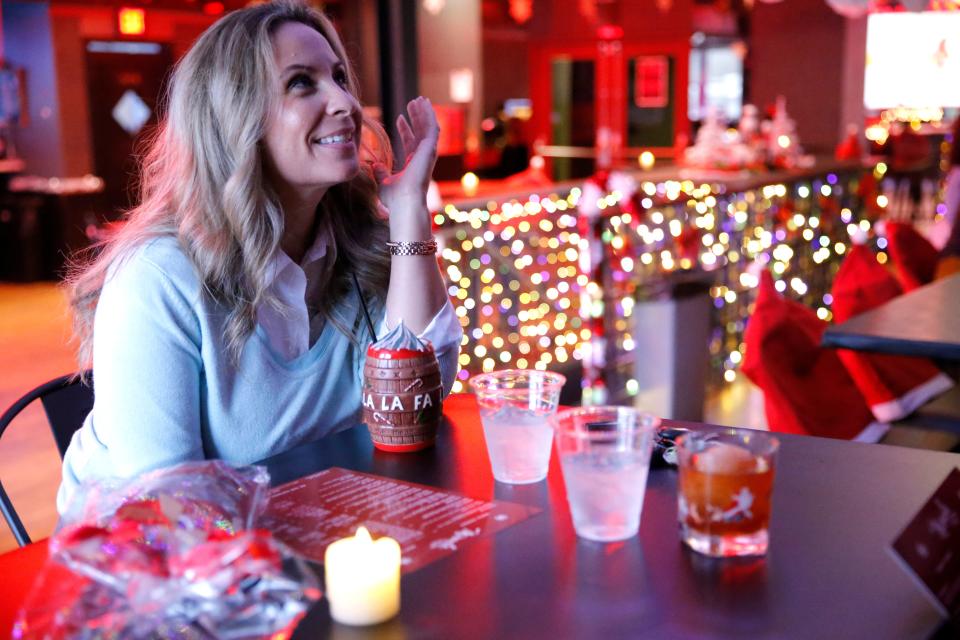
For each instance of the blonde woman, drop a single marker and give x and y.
(223, 320)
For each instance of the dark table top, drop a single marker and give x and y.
(829, 574)
(924, 322)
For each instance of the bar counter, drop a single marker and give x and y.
(539, 272)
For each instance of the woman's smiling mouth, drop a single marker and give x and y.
(339, 138)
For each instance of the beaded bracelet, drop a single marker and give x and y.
(413, 248)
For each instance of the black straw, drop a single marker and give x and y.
(363, 303)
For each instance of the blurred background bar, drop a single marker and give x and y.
(613, 179)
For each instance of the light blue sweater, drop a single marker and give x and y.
(166, 391)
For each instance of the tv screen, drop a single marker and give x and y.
(913, 60)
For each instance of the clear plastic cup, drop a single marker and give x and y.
(605, 456)
(725, 485)
(515, 409)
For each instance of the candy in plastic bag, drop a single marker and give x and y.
(174, 553)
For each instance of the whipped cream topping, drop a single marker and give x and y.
(400, 337)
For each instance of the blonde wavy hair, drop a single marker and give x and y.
(203, 182)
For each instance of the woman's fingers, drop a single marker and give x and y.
(423, 118)
(418, 137)
(407, 138)
(426, 130)
(414, 111)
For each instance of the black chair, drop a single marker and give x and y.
(66, 401)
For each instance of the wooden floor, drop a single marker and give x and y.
(34, 347)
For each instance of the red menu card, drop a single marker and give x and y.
(929, 546)
(310, 513)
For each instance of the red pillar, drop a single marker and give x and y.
(611, 94)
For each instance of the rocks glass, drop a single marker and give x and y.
(725, 484)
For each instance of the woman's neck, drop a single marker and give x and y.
(299, 223)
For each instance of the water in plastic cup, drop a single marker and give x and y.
(605, 456)
(515, 409)
(725, 485)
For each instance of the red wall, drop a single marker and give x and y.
(72, 27)
(648, 30)
(642, 21)
(805, 51)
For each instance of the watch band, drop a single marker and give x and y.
(413, 248)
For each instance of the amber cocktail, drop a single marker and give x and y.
(725, 485)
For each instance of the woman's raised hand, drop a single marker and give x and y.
(404, 193)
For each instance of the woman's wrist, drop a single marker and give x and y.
(410, 225)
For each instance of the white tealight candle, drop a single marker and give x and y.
(363, 579)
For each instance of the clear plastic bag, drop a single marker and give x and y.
(175, 553)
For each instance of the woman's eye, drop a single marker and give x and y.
(340, 77)
(300, 81)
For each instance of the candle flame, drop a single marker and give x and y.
(363, 536)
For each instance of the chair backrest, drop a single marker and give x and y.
(66, 400)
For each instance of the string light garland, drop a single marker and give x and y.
(525, 284)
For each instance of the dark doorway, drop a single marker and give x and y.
(650, 125)
(125, 80)
(573, 117)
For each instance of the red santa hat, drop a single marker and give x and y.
(806, 388)
(914, 258)
(893, 386)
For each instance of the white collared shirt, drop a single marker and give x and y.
(291, 332)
